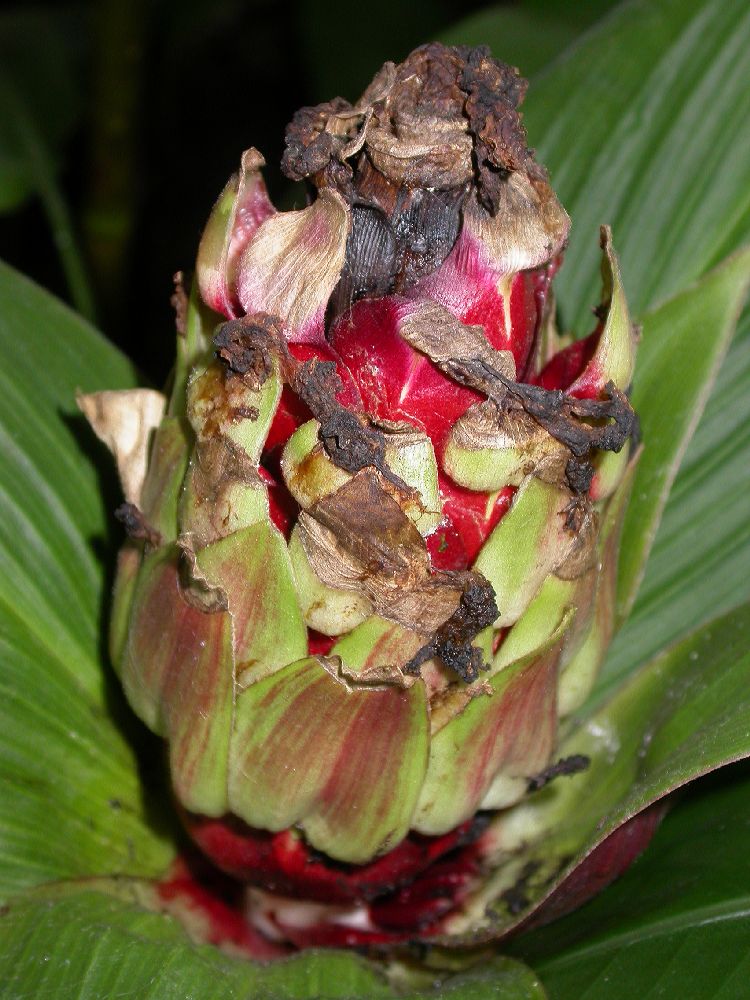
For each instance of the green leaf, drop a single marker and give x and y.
(55, 699)
(529, 34)
(87, 944)
(682, 715)
(698, 566)
(657, 99)
(637, 939)
(683, 343)
(81, 944)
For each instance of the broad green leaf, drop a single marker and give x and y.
(683, 341)
(81, 944)
(657, 101)
(529, 34)
(637, 939)
(699, 563)
(685, 713)
(656, 98)
(87, 944)
(72, 802)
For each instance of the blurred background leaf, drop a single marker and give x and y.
(531, 34)
(39, 106)
(38, 81)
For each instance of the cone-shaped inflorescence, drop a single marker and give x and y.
(373, 531)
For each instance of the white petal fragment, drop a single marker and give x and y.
(123, 420)
(293, 262)
(528, 229)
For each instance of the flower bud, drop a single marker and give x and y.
(373, 547)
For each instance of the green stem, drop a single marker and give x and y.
(119, 30)
(40, 171)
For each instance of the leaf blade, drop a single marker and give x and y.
(55, 695)
(684, 342)
(684, 714)
(640, 159)
(625, 941)
(80, 943)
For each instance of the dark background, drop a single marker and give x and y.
(121, 120)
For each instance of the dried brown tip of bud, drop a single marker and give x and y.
(247, 346)
(443, 117)
(435, 145)
(136, 525)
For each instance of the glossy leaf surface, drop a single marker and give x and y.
(72, 801)
(638, 939)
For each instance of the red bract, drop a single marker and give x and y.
(396, 382)
(564, 368)
(506, 306)
(283, 862)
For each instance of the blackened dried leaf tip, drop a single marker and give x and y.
(441, 118)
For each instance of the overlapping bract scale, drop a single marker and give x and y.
(211, 630)
(372, 552)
